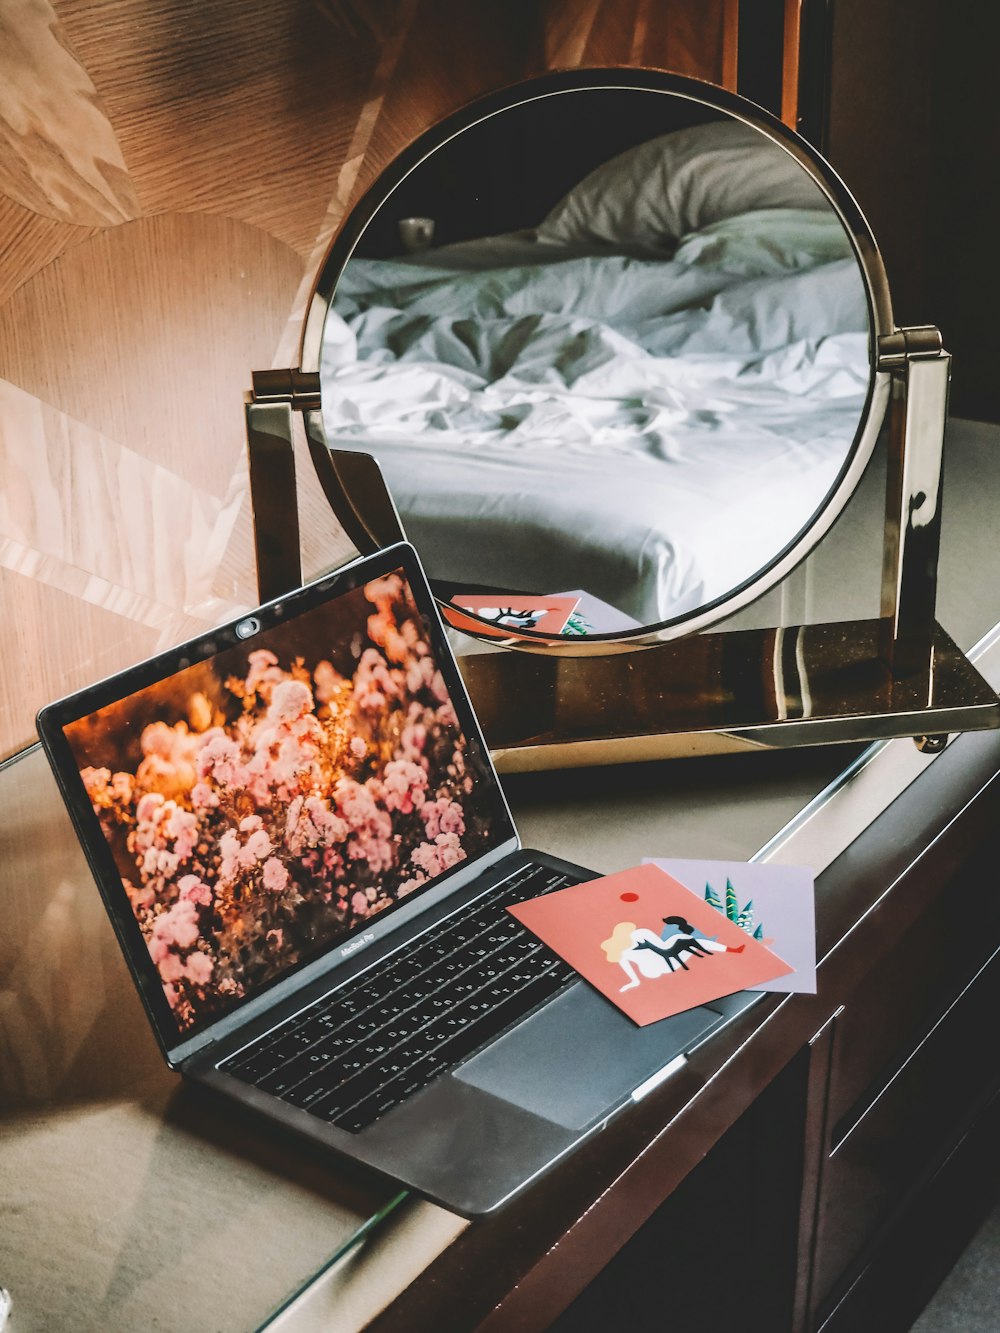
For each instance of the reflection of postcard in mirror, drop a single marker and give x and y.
(594, 616)
(512, 611)
(776, 904)
(646, 942)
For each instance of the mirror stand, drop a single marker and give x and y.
(718, 692)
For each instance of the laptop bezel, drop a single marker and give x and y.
(53, 718)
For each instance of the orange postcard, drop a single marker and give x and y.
(512, 611)
(650, 945)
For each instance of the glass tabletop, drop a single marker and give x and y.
(128, 1201)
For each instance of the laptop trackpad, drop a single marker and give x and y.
(580, 1057)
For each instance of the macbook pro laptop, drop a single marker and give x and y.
(306, 855)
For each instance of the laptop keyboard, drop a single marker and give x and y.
(352, 1056)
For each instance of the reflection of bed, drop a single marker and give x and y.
(651, 428)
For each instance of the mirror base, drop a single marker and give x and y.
(718, 694)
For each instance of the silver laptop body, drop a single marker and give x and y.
(286, 811)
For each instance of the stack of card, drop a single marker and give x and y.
(671, 934)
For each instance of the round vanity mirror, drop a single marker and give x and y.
(609, 336)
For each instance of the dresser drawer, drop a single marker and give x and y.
(891, 1012)
(901, 1135)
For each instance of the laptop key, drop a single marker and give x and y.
(308, 1091)
(376, 1104)
(253, 1067)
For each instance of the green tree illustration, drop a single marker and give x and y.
(732, 906)
(744, 916)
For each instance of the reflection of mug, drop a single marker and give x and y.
(416, 233)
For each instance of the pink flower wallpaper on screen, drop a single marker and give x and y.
(264, 804)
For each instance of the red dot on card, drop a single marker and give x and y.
(630, 897)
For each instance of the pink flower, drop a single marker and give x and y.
(385, 591)
(439, 856)
(275, 875)
(442, 816)
(403, 785)
(311, 823)
(158, 739)
(257, 847)
(182, 827)
(370, 837)
(419, 674)
(170, 763)
(148, 806)
(408, 885)
(220, 758)
(447, 716)
(358, 748)
(194, 890)
(359, 904)
(158, 861)
(140, 898)
(263, 671)
(203, 797)
(229, 844)
(413, 739)
(172, 967)
(290, 700)
(199, 968)
(96, 782)
(374, 683)
(178, 925)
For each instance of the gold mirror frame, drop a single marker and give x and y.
(670, 689)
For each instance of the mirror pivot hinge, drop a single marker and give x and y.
(918, 342)
(298, 388)
(931, 744)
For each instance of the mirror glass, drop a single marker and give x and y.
(610, 346)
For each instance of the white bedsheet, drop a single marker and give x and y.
(651, 431)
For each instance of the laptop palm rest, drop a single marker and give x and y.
(579, 1057)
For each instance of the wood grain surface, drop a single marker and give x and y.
(171, 175)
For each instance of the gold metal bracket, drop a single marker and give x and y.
(918, 409)
(352, 482)
(898, 675)
(903, 345)
(298, 388)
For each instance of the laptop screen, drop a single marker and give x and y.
(266, 802)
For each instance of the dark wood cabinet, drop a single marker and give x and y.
(820, 1164)
(911, 1073)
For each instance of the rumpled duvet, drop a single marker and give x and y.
(652, 430)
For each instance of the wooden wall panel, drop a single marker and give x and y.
(171, 174)
(683, 36)
(147, 333)
(692, 39)
(28, 242)
(567, 26)
(235, 108)
(61, 157)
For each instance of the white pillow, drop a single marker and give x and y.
(646, 199)
(767, 242)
